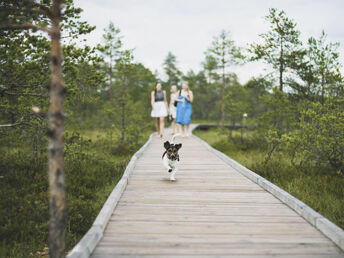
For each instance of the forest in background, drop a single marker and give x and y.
(296, 111)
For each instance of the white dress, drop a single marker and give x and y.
(173, 109)
(159, 106)
(159, 109)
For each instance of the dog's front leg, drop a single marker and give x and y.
(167, 165)
(174, 171)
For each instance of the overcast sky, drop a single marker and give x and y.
(186, 27)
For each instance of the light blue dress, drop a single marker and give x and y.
(184, 111)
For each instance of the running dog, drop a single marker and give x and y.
(170, 158)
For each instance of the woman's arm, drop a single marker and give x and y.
(152, 99)
(165, 101)
(178, 99)
(171, 104)
(190, 97)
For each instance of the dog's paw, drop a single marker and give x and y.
(172, 179)
(170, 170)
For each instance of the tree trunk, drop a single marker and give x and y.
(57, 202)
(281, 68)
(322, 97)
(123, 123)
(223, 97)
(123, 114)
(110, 90)
(281, 77)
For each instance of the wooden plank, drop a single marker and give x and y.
(102, 255)
(206, 218)
(198, 188)
(260, 209)
(195, 238)
(224, 228)
(212, 249)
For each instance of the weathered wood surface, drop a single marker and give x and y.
(211, 210)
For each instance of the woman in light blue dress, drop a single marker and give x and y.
(184, 109)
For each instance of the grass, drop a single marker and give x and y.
(318, 187)
(94, 163)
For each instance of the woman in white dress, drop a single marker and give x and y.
(173, 108)
(159, 108)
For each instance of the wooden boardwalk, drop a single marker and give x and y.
(211, 210)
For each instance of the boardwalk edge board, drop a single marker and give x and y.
(89, 241)
(328, 228)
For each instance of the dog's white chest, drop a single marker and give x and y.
(171, 163)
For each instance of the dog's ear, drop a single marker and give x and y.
(178, 146)
(167, 145)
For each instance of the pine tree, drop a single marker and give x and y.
(281, 44)
(111, 51)
(48, 17)
(224, 52)
(171, 70)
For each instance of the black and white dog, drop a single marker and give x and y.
(170, 158)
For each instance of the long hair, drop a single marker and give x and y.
(174, 86)
(186, 83)
(156, 86)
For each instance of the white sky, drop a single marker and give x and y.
(186, 27)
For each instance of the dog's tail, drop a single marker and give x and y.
(174, 136)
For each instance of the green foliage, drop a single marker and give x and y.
(25, 73)
(112, 43)
(237, 102)
(93, 164)
(319, 139)
(206, 96)
(319, 70)
(279, 113)
(281, 44)
(129, 88)
(92, 170)
(223, 52)
(171, 70)
(210, 67)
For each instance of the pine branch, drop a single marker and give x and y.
(25, 27)
(42, 7)
(4, 91)
(16, 124)
(21, 121)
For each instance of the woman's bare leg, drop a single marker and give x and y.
(173, 126)
(162, 125)
(183, 130)
(157, 125)
(187, 127)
